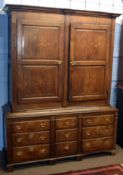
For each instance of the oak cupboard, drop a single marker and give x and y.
(59, 84)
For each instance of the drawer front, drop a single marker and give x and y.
(30, 126)
(66, 135)
(68, 148)
(97, 131)
(97, 144)
(66, 123)
(98, 120)
(29, 153)
(31, 138)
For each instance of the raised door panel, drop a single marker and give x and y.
(41, 42)
(89, 62)
(39, 82)
(40, 55)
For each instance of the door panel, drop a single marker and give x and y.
(40, 42)
(40, 60)
(89, 57)
(89, 45)
(87, 82)
(38, 83)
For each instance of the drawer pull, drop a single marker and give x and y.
(89, 121)
(88, 134)
(31, 136)
(67, 123)
(43, 125)
(42, 138)
(67, 135)
(88, 145)
(31, 149)
(66, 148)
(19, 140)
(19, 153)
(18, 127)
(43, 150)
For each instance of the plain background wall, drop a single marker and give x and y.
(96, 5)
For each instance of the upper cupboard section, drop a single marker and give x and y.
(54, 55)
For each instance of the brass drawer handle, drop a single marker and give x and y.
(89, 121)
(67, 135)
(42, 138)
(43, 150)
(19, 153)
(88, 145)
(31, 135)
(66, 148)
(67, 123)
(31, 149)
(108, 119)
(18, 127)
(19, 140)
(43, 125)
(88, 133)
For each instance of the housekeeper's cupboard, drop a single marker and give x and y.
(59, 84)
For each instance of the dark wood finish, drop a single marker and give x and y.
(66, 135)
(97, 131)
(30, 153)
(25, 126)
(60, 73)
(67, 148)
(31, 138)
(53, 69)
(63, 134)
(66, 123)
(97, 144)
(88, 61)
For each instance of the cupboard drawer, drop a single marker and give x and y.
(30, 153)
(67, 148)
(66, 135)
(97, 131)
(97, 144)
(28, 126)
(30, 138)
(98, 120)
(66, 123)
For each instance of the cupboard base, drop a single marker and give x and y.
(49, 135)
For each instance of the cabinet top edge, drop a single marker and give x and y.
(10, 8)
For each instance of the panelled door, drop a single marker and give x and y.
(40, 54)
(89, 60)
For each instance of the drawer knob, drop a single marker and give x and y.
(42, 125)
(19, 153)
(42, 138)
(67, 123)
(67, 135)
(89, 121)
(18, 127)
(88, 145)
(66, 147)
(19, 140)
(43, 150)
(31, 135)
(88, 133)
(31, 149)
